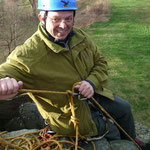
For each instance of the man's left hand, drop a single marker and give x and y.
(85, 89)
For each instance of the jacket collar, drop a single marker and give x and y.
(65, 43)
(75, 39)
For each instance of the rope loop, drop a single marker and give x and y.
(70, 93)
(36, 143)
(75, 120)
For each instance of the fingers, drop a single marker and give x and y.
(4, 86)
(20, 84)
(85, 89)
(14, 87)
(9, 87)
(77, 87)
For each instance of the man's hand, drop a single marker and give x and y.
(85, 89)
(9, 88)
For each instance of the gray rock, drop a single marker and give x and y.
(10, 109)
(142, 132)
(31, 117)
(17, 133)
(14, 124)
(122, 145)
(28, 118)
(99, 145)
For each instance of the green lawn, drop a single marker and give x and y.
(125, 41)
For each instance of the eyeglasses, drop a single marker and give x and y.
(59, 20)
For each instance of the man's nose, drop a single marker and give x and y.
(62, 24)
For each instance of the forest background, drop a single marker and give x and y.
(120, 28)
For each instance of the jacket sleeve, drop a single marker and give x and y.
(98, 74)
(14, 67)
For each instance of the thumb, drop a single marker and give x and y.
(20, 84)
(77, 87)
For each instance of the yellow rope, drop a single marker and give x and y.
(42, 91)
(74, 119)
(34, 142)
(109, 116)
(4, 143)
(24, 141)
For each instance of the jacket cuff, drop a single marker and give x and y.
(94, 87)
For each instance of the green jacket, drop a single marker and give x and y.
(44, 65)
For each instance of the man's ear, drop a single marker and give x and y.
(41, 18)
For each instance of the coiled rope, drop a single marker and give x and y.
(32, 141)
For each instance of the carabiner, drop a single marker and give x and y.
(75, 94)
(81, 98)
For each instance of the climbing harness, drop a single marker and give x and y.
(102, 136)
(32, 141)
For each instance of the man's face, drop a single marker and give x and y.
(59, 23)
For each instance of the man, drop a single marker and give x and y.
(54, 58)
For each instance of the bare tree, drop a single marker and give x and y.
(32, 4)
(34, 8)
(10, 30)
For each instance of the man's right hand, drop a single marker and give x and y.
(9, 88)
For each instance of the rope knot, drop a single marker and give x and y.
(74, 120)
(69, 92)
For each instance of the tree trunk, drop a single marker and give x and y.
(33, 5)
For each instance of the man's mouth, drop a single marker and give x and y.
(62, 32)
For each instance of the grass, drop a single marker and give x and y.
(125, 41)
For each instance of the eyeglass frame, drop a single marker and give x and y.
(56, 20)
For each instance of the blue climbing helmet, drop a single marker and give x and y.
(56, 5)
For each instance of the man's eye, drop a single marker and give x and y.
(68, 19)
(55, 20)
